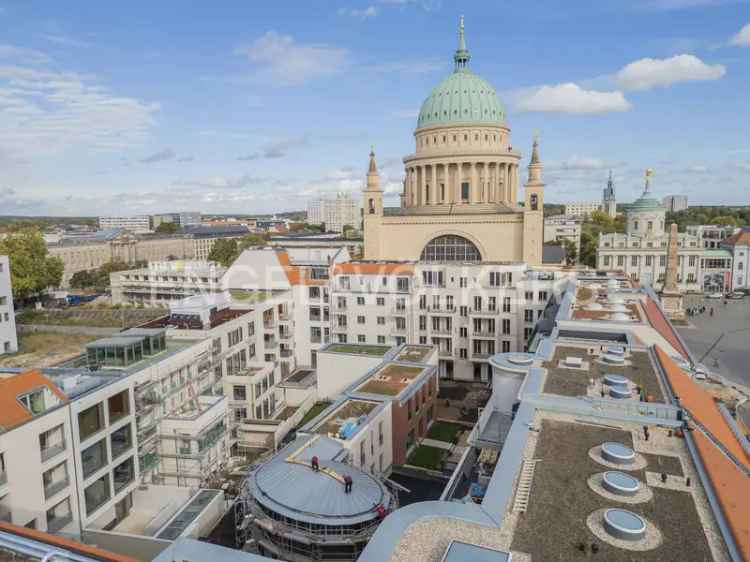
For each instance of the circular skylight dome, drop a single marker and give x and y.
(520, 359)
(614, 350)
(613, 379)
(615, 359)
(617, 453)
(624, 524)
(620, 392)
(620, 483)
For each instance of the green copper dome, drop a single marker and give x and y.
(463, 97)
(645, 203)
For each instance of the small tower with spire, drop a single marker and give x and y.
(372, 208)
(533, 215)
(462, 56)
(609, 200)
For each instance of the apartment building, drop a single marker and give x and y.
(137, 224)
(559, 227)
(739, 246)
(712, 235)
(163, 282)
(335, 213)
(8, 339)
(180, 219)
(675, 203)
(469, 311)
(581, 209)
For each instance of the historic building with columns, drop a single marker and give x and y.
(460, 196)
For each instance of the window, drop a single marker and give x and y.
(90, 421)
(691, 262)
(649, 260)
(634, 261)
(94, 457)
(542, 296)
(51, 442)
(423, 340)
(465, 192)
(477, 303)
(402, 284)
(123, 474)
(663, 261)
(492, 304)
(463, 311)
(506, 304)
(381, 339)
(381, 320)
(119, 405)
(361, 338)
(463, 353)
(380, 301)
(463, 332)
(314, 292)
(59, 516)
(463, 282)
(506, 326)
(121, 440)
(97, 494)
(606, 261)
(423, 322)
(495, 280)
(506, 346)
(239, 392)
(55, 479)
(360, 301)
(344, 283)
(528, 315)
(529, 296)
(450, 248)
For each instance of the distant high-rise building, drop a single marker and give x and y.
(180, 219)
(334, 213)
(8, 340)
(581, 209)
(609, 201)
(675, 203)
(135, 223)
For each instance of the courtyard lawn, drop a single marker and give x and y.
(444, 431)
(427, 457)
(313, 412)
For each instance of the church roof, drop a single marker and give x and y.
(462, 97)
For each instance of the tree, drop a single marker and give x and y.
(224, 251)
(571, 252)
(31, 269)
(167, 228)
(98, 279)
(251, 240)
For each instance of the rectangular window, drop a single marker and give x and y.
(97, 494)
(59, 516)
(528, 315)
(463, 311)
(55, 479)
(121, 441)
(90, 421)
(381, 320)
(94, 457)
(402, 283)
(381, 339)
(119, 405)
(239, 392)
(51, 442)
(495, 279)
(380, 301)
(506, 346)
(123, 474)
(492, 304)
(506, 326)
(360, 319)
(465, 192)
(361, 338)
(360, 301)
(506, 304)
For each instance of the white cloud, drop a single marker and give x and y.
(742, 37)
(569, 98)
(364, 13)
(648, 73)
(283, 61)
(63, 40)
(23, 56)
(45, 111)
(576, 162)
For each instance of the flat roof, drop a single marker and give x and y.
(566, 500)
(414, 353)
(459, 551)
(348, 411)
(566, 380)
(391, 379)
(356, 349)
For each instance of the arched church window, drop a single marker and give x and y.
(450, 248)
(372, 206)
(534, 200)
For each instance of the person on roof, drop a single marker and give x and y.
(314, 463)
(347, 484)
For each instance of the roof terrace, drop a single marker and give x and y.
(390, 380)
(344, 420)
(357, 349)
(414, 353)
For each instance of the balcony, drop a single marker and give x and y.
(445, 353)
(284, 316)
(54, 487)
(442, 309)
(484, 312)
(58, 523)
(269, 326)
(442, 331)
(340, 328)
(271, 343)
(52, 450)
(398, 329)
(399, 311)
(483, 334)
(286, 353)
(481, 355)
(285, 335)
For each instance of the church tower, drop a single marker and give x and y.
(609, 201)
(372, 210)
(533, 220)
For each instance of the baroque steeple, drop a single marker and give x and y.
(462, 56)
(373, 180)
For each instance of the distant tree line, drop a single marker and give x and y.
(98, 279)
(732, 216)
(226, 250)
(32, 271)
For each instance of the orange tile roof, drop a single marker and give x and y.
(384, 268)
(702, 406)
(296, 274)
(12, 412)
(660, 323)
(742, 238)
(732, 488)
(63, 543)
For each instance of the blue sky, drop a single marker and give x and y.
(250, 107)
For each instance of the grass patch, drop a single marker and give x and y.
(453, 392)
(313, 412)
(42, 349)
(95, 317)
(249, 296)
(360, 349)
(444, 431)
(427, 457)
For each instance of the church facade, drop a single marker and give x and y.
(460, 196)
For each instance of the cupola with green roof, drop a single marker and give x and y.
(463, 97)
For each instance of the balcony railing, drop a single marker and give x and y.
(444, 331)
(55, 524)
(52, 450)
(285, 353)
(54, 487)
(484, 311)
(445, 352)
(480, 355)
(398, 329)
(483, 333)
(399, 311)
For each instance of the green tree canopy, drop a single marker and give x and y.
(571, 252)
(98, 279)
(31, 269)
(167, 228)
(224, 251)
(251, 240)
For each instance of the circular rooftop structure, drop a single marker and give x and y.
(515, 362)
(617, 452)
(613, 358)
(620, 483)
(624, 524)
(613, 379)
(287, 485)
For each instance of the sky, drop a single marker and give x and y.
(256, 107)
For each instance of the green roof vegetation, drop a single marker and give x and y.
(427, 457)
(249, 296)
(313, 412)
(358, 349)
(445, 431)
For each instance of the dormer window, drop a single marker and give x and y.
(33, 401)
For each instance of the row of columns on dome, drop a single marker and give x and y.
(477, 182)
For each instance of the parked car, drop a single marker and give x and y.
(736, 295)
(714, 296)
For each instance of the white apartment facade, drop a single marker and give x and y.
(8, 339)
(712, 235)
(335, 213)
(739, 246)
(137, 224)
(581, 209)
(163, 282)
(675, 203)
(559, 227)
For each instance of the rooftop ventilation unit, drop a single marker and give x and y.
(617, 453)
(614, 359)
(575, 362)
(614, 350)
(623, 524)
(620, 483)
(521, 359)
